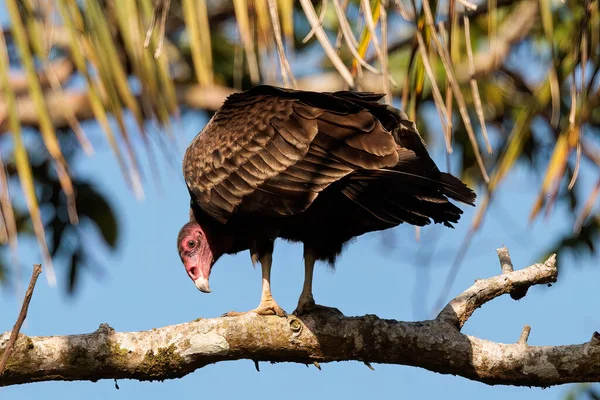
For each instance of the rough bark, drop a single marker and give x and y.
(437, 345)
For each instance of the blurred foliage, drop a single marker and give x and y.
(526, 71)
(583, 391)
(68, 243)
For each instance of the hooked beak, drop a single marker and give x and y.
(199, 272)
(202, 284)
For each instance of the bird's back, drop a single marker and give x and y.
(340, 163)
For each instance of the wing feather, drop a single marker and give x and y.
(271, 151)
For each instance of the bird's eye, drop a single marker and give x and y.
(191, 243)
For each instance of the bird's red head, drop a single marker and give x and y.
(196, 254)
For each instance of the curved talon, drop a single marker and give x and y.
(270, 309)
(267, 309)
(310, 306)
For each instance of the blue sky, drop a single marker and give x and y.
(144, 286)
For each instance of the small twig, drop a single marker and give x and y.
(162, 29)
(349, 37)
(451, 76)
(385, 65)
(151, 27)
(403, 11)
(437, 96)
(321, 17)
(286, 70)
(313, 20)
(468, 5)
(449, 99)
(161, 9)
(474, 86)
(37, 270)
(505, 261)
(573, 126)
(524, 334)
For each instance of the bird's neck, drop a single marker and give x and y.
(219, 241)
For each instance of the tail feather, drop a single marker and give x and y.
(456, 189)
(395, 196)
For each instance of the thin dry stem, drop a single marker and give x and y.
(474, 86)
(349, 37)
(524, 334)
(313, 20)
(505, 261)
(573, 126)
(448, 131)
(313, 29)
(387, 77)
(286, 70)
(437, 96)
(246, 36)
(37, 270)
(403, 11)
(7, 210)
(462, 106)
(468, 5)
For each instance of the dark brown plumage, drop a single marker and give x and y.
(318, 168)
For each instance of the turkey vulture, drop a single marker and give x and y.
(316, 168)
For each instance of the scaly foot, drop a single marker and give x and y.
(306, 306)
(267, 307)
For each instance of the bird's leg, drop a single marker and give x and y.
(267, 305)
(306, 302)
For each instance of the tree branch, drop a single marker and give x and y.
(460, 309)
(62, 67)
(60, 104)
(437, 345)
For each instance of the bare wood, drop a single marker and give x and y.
(63, 69)
(507, 266)
(505, 261)
(437, 345)
(525, 334)
(460, 309)
(62, 104)
(37, 270)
